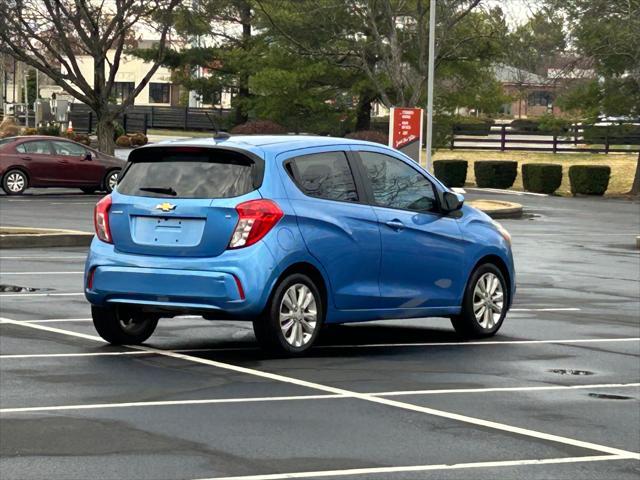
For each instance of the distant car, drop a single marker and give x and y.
(290, 232)
(40, 161)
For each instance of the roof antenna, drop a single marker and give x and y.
(217, 134)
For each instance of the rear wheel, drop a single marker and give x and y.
(484, 305)
(293, 318)
(121, 326)
(15, 182)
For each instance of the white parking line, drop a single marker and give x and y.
(206, 401)
(422, 468)
(361, 396)
(70, 355)
(505, 389)
(567, 309)
(42, 273)
(25, 295)
(44, 257)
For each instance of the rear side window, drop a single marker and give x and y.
(324, 175)
(34, 147)
(188, 173)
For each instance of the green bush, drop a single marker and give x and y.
(369, 136)
(553, 125)
(541, 177)
(525, 125)
(616, 134)
(453, 173)
(472, 125)
(51, 130)
(258, 127)
(589, 179)
(495, 173)
(118, 130)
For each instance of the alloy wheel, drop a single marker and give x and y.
(488, 300)
(112, 181)
(298, 315)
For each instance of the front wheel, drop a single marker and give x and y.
(293, 318)
(484, 304)
(15, 182)
(110, 180)
(120, 326)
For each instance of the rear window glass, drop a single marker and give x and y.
(325, 175)
(198, 174)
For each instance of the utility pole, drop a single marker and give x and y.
(432, 49)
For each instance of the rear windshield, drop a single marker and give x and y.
(182, 173)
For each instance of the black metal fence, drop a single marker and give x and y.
(576, 139)
(140, 118)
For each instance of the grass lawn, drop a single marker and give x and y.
(623, 165)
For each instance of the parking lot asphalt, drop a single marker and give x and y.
(554, 395)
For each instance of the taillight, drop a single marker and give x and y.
(101, 219)
(255, 219)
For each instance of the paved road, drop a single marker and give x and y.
(386, 400)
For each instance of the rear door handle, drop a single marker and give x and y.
(395, 224)
(26, 158)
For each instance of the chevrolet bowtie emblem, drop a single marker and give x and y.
(165, 207)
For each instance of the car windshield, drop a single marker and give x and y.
(197, 174)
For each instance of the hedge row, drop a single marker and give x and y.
(536, 177)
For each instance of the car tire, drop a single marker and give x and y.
(484, 305)
(120, 326)
(110, 180)
(15, 182)
(293, 318)
(88, 190)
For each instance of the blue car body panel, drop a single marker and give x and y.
(179, 262)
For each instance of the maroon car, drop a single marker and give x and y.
(39, 161)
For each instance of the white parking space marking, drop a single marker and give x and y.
(169, 403)
(70, 355)
(44, 257)
(26, 295)
(361, 396)
(505, 389)
(42, 273)
(508, 192)
(206, 401)
(421, 468)
(567, 309)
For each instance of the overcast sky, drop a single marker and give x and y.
(517, 11)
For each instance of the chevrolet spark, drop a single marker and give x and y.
(291, 233)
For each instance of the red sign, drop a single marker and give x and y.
(405, 131)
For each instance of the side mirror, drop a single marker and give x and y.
(88, 156)
(452, 201)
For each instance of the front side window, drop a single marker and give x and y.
(325, 175)
(159, 93)
(41, 147)
(397, 185)
(69, 149)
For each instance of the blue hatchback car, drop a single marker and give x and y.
(290, 232)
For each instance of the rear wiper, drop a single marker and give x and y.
(165, 190)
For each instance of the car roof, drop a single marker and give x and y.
(272, 143)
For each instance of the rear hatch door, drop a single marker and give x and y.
(180, 201)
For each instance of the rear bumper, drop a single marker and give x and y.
(182, 284)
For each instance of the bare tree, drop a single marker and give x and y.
(53, 35)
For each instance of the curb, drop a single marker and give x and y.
(498, 208)
(24, 237)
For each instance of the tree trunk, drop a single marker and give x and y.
(105, 131)
(363, 110)
(240, 113)
(635, 188)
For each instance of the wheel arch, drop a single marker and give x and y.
(501, 265)
(310, 271)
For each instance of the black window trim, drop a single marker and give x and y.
(369, 189)
(289, 166)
